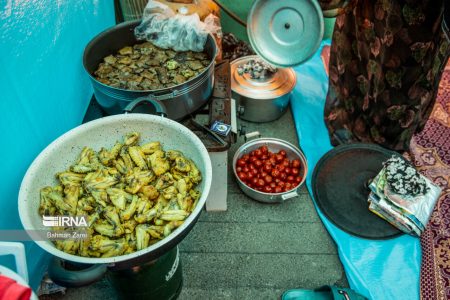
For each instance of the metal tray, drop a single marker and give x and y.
(340, 188)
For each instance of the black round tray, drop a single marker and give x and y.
(340, 188)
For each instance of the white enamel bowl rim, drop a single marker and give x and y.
(117, 120)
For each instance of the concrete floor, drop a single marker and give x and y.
(253, 250)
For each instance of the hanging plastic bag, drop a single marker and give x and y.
(167, 30)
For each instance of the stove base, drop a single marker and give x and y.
(159, 279)
(217, 198)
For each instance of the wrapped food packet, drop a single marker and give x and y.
(396, 217)
(167, 30)
(402, 192)
(383, 210)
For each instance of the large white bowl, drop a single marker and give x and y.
(104, 132)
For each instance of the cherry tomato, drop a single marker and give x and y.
(242, 176)
(264, 157)
(267, 168)
(296, 163)
(245, 157)
(254, 172)
(258, 153)
(263, 174)
(282, 152)
(249, 176)
(252, 153)
(286, 163)
(277, 180)
(251, 166)
(281, 184)
(273, 185)
(290, 178)
(288, 186)
(298, 179)
(278, 189)
(283, 176)
(280, 168)
(268, 179)
(245, 169)
(264, 149)
(295, 171)
(287, 170)
(273, 161)
(258, 164)
(252, 159)
(279, 157)
(255, 181)
(275, 173)
(267, 189)
(241, 162)
(238, 169)
(267, 162)
(261, 182)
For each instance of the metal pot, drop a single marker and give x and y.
(180, 100)
(274, 145)
(105, 132)
(261, 100)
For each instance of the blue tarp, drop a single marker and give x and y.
(44, 90)
(387, 269)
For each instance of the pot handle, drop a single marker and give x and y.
(249, 135)
(74, 278)
(160, 108)
(289, 195)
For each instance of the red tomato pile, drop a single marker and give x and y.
(269, 172)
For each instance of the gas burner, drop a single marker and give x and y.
(219, 108)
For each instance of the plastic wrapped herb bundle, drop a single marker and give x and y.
(402, 196)
(167, 30)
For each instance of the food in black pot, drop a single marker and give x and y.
(147, 67)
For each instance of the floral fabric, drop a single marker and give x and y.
(386, 60)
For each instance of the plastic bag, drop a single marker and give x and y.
(167, 30)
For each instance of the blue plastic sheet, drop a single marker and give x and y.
(387, 269)
(44, 90)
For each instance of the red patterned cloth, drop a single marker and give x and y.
(430, 152)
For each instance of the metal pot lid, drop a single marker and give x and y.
(339, 185)
(285, 33)
(277, 85)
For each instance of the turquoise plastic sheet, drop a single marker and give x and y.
(387, 269)
(44, 90)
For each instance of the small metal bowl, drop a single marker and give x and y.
(274, 145)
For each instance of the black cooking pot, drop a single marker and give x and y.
(179, 100)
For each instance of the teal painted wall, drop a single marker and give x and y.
(44, 91)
